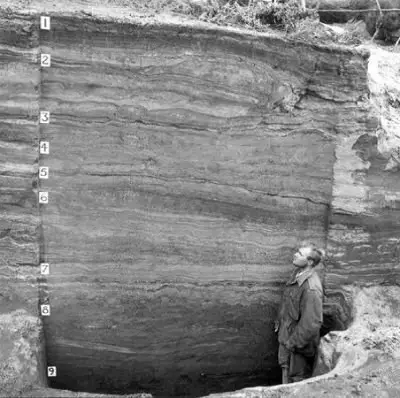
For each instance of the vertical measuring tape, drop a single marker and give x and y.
(43, 196)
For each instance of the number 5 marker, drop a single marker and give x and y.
(43, 172)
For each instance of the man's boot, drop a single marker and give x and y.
(285, 378)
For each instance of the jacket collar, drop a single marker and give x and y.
(300, 276)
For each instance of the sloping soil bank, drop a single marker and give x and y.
(363, 360)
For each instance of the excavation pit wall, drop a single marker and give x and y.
(186, 162)
(363, 359)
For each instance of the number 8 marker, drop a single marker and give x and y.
(45, 310)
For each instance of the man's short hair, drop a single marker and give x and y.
(316, 255)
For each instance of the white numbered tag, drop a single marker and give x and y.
(45, 23)
(51, 371)
(44, 117)
(44, 268)
(44, 147)
(43, 172)
(45, 309)
(43, 197)
(45, 60)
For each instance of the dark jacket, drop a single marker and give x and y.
(300, 315)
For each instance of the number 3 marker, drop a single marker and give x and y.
(44, 117)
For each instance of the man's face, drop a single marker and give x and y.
(300, 257)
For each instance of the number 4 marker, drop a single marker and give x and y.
(44, 147)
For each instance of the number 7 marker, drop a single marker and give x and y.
(44, 268)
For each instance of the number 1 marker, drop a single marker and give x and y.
(45, 23)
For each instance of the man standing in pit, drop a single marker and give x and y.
(300, 317)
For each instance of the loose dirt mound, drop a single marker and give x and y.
(21, 354)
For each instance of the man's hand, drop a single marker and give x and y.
(276, 326)
(289, 346)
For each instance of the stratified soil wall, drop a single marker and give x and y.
(186, 164)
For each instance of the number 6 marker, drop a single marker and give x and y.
(43, 197)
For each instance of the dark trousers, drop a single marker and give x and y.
(295, 367)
